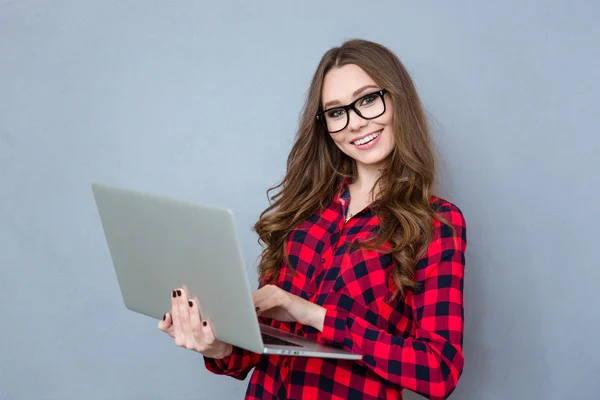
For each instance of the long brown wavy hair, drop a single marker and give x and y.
(316, 168)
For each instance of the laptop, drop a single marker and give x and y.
(158, 244)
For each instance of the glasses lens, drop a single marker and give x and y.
(371, 106)
(336, 119)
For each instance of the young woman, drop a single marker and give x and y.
(358, 250)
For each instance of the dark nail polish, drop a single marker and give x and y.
(257, 309)
(179, 293)
(204, 323)
(190, 303)
(174, 294)
(164, 316)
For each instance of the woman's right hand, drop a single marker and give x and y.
(185, 325)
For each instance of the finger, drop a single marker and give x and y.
(272, 296)
(195, 321)
(266, 304)
(261, 295)
(207, 332)
(184, 317)
(175, 310)
(162, 324)
(169, 322)
(165, 325)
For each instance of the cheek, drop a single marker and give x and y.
(388, 120)
(338, 141)
(390, 142)
(385, 121)
(344, 147)
(389, 127)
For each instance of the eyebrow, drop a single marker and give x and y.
(356, 92)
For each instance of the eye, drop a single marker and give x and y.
(335, 113)
(368, 99)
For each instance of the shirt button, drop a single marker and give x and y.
(323, 260)
(285, 364)
(310, 294)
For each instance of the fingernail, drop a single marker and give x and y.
(179, 293)
(256, 309)
(174, 294)
(164, 316)
(204, 323)
(190, 303)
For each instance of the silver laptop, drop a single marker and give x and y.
(158, 244)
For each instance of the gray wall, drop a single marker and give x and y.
(201, 101)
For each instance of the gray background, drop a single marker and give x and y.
(200, 101)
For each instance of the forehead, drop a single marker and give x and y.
(340, 83)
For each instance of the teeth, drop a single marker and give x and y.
(367, 139)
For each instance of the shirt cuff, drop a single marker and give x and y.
(215, 365)
(334, 327)
(231, 362)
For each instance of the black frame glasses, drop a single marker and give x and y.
(352, 106)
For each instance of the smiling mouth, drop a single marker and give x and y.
(367, 139)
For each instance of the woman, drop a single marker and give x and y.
(358, 251)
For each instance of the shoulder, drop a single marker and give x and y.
(449, 226)
(448, 242)
(449, 212)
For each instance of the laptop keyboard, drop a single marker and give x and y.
(268, 339)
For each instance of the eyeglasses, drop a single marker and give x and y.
(369, 106)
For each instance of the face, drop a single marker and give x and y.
(368, 141)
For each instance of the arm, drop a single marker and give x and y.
(430, 362)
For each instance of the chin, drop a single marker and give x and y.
(372, 161)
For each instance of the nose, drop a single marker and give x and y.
(355, 121)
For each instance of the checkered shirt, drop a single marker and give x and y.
(414, 342)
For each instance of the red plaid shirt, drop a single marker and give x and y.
(412, 343)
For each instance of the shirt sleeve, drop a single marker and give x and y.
(237, 365)
(429, 362)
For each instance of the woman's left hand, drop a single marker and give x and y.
(273, 302)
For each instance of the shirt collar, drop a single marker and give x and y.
(342, 193)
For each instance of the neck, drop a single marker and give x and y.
(366, 177)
